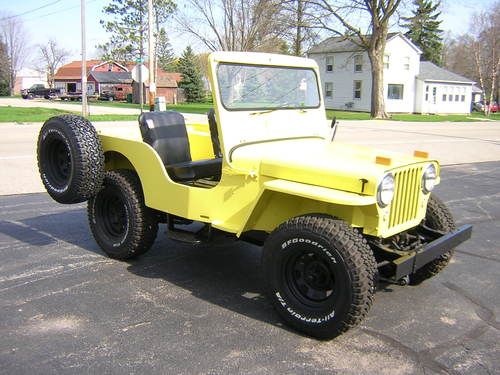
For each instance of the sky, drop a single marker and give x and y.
(60, 20)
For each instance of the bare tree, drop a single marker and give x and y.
(14, 36)
(234, 25)
(344, 18)
(477, 54)
(301, 35)
(51, 57)
(457, 56)
(485, 28)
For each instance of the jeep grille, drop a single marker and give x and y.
(407, 191)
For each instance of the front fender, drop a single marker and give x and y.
(280, 200)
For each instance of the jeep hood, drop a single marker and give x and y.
(322, 163)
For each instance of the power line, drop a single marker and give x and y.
(30, 11)
(58, 11)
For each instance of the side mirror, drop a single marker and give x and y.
(334, 121)
(334, 127)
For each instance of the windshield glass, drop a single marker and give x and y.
(251, 87)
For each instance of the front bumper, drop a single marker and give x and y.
(410, 263)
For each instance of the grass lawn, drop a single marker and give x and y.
(201, 108)
(22, 114)
(344, 115)
(37, 114)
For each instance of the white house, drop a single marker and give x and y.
(25, 78)
(409, 84)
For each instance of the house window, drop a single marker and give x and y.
(386, 61)
(358, 63)
(328, 89)
(357, 89)
(406, 63)
(329, 63)
(395, 92)
(427, 93)
(462, 98)
(444, 97)
(110, 67)
(450, 98)
(456, 98)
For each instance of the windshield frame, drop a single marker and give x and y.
(247, 109)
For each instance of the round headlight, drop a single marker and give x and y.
(385, 191)
(429, 179)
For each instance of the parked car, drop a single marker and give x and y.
(40, 91)
(493, 107)
(333, 218)
(107, 95)
(116, 92)
(479, 106)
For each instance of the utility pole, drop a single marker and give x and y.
(141, 57)
(151, 58)
(84, 62)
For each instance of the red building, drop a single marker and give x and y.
(110, 76)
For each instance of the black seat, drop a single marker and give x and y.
(166, 133)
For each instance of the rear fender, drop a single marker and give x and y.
(116, 160)
(142, 158)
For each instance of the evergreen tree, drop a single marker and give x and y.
(191, 82)
(164, 53)
(423, 29)
(4, 72)
(128, 27)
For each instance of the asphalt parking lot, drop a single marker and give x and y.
(66, 308)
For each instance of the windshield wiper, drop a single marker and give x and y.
(276, 109)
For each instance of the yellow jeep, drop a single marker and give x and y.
(333, 218)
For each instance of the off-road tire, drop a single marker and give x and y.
(437, 217)
(328, 253)
(121, 224)
(70, 159)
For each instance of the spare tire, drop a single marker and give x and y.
(70, 159)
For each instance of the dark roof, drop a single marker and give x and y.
(112, 77)
(340, 44)
(432, 72)
(476, 89)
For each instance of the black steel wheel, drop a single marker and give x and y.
(119, 220)
(320, 275)
(70, 158)
(437, 217)
(58, 157)
(310, 276)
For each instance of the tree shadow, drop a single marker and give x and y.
(69, 226)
